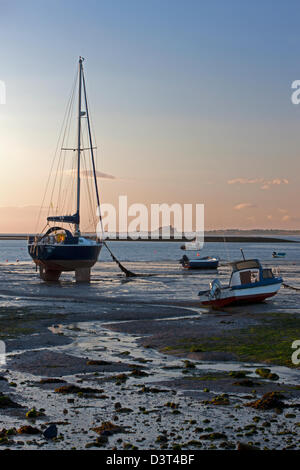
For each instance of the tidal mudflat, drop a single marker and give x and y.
(150, 379)
(123, 364)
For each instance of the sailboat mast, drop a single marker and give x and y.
(77, 230)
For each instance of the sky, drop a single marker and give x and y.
(190, 102)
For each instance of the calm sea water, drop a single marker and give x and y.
(161, 277)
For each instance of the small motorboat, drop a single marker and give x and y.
(207, 262)
(278, 255)
(249, 282)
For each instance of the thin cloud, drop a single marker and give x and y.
(89, 174)
(244, 205)
(245, 181)
(99, 174)
(264, 183)
(290, 218)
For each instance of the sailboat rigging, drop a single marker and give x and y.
(58, 249)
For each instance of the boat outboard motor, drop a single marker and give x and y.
(184, 260)
(215, 289)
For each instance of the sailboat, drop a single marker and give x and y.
(195, 245)
(60, 249)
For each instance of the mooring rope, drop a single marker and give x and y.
(287, 286)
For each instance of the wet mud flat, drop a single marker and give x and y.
(124, 375)
(250, 333)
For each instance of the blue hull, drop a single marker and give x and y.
(198, 264)
(64, 257)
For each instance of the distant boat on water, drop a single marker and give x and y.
(60, 249)
(206, 262)
(278, 255)
(197, 262)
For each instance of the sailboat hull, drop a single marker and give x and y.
(64, 257)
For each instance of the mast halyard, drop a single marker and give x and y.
(75, 218)
(91, 148)
(77, 229)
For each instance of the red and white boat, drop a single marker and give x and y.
(249, 282)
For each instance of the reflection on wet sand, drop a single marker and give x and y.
(142, 354)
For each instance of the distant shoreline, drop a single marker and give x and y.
(207, 239)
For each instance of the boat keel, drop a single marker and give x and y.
(83, 274)
(49, 274)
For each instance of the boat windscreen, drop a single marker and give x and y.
(248, 264)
